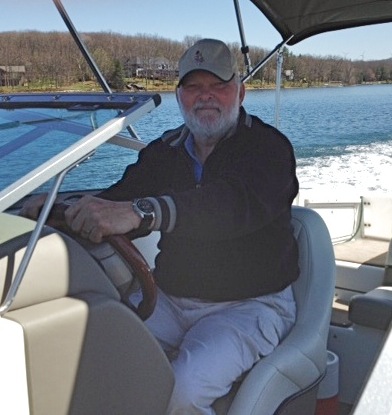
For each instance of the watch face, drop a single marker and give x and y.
(145, 206)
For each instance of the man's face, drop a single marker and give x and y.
(210, 106)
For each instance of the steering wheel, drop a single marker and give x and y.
(124, 247)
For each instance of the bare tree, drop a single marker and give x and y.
(52, 60)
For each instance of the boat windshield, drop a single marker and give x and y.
(42, 135)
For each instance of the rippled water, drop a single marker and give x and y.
(342, 136)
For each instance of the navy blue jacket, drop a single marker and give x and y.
(229, 236)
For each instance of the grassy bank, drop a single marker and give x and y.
(131, 85)
(143, 85)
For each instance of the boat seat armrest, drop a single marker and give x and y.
(373, 309)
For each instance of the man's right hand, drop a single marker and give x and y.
(91, 217)
(94, 218)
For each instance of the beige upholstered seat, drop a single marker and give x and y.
(74, 347)
(285, 382)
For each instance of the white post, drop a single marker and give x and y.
(279, 66)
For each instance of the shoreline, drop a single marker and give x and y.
(169, 87)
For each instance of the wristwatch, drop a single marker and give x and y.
(145, 210)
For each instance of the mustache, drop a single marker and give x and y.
(206, 106)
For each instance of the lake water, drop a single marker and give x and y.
(342, 139)
(342, 136)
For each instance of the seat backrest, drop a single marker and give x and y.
(314, 289)
(299, 362)
(68, 345)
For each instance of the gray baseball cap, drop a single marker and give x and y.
(208, 55)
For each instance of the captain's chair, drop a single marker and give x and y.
(286, 381)
(68, 344)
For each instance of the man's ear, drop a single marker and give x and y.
(242, 92)
(177, 88)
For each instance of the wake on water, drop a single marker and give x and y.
(360, 170)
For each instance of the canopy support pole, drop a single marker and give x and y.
(87, 56)
(244, 46)
(82, 46)
(266, 59)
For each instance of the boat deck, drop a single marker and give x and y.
(360, 267)
(363, 251)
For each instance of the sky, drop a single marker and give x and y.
(210, 18)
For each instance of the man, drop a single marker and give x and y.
(219, 188)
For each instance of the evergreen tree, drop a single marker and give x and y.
(116, 78)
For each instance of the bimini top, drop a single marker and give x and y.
(299, 19)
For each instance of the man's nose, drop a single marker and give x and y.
(205, 92)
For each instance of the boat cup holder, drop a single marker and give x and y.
(328, 392)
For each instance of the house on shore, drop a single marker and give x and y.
(152, 68)
(12, 75)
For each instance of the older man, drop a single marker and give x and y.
(219, 188)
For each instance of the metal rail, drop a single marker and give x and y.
(33, 241)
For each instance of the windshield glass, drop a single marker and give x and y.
(30, 137)
(39, 139)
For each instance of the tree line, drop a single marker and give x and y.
(51, 59)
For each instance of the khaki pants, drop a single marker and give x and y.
(213, 344)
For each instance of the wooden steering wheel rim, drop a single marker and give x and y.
(128, 252)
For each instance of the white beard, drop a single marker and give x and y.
(211, 128)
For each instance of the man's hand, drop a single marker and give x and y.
(95, 218)
(33, 206)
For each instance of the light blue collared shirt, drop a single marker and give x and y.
(197, 166)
